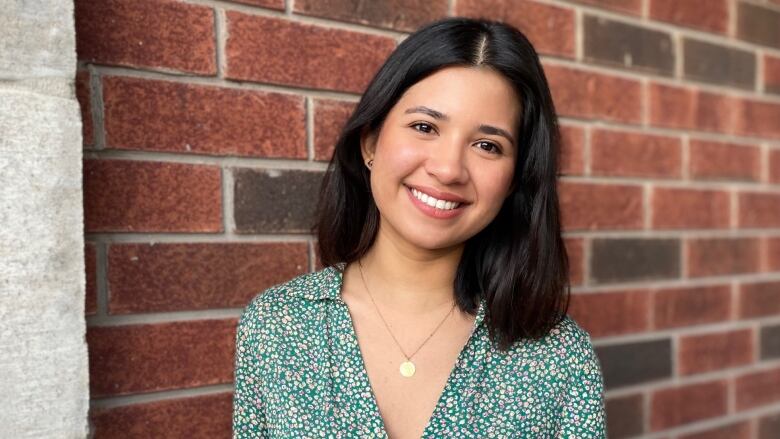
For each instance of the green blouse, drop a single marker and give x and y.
(299, 372)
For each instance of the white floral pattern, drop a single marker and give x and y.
(299, 373)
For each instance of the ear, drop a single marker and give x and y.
(367, 144)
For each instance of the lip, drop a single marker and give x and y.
(439, 195)
(432, 211)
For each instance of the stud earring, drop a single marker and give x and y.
(370, 163)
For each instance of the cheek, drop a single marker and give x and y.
(400, 158)
(493, 183)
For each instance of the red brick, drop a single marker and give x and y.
(177, 117)
(142, 358)
(678, 208)
(773, 253)
(774, 166)
(612, 313)
(402, 15)
(710, 15)
(599, 206)
(629, 154)
(190, 276)
(688, 108)
(722, 256)
(689, 306)
(757, 119)
(140, 196)
(202, 416)
(271, 4)
(772, 74)
(329, 119)
(90, 265)
(162, 34)
(759, 209)
(83, 95)
(711, 160)
(549, 28)
(715, 351)
(630, 6)
(739, 430)
(676, 406)
(572, 154)
(757, 389)
(575, 249)
(578, 93)
(759, 299)
(266, 49)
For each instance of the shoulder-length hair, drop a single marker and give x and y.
(518, 262)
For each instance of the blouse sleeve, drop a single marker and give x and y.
(249, 419)
(583, 412)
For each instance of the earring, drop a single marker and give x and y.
(370, 163)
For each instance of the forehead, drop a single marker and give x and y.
(478, 94)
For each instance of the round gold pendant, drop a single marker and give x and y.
(407, 369)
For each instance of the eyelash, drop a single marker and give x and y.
(497, 151)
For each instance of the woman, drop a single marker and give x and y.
(441, 310)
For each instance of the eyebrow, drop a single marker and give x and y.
(486, 129)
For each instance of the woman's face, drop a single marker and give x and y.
(451, 136)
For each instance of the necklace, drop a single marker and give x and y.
(407, 368)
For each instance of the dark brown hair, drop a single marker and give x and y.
(518, 262)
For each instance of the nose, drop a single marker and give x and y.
(446, 162)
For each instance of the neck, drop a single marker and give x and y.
(407, 278)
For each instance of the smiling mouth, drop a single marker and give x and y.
(434, 202)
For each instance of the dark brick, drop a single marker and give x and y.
(769, 427)
(626, 45)
(770, 342)
(758, 24)
(160, 356)
(403, 15)
(203, 416)
(186, 118)
(633, 259)
(269, 49)
(141, 196)
(147, 33)
(635, 363)
(188, 276)
(275, 201)
(772, 74)
(90, 265)
(625, 416)
(718, 64)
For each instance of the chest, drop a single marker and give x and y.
(406, 404)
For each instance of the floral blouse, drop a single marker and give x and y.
(299, 373)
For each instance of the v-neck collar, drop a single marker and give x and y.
(329, 288)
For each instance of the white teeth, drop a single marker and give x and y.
(433, 202)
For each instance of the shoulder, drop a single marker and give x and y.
(566, 347)
(289, 300)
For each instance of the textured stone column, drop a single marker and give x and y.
(43, 356)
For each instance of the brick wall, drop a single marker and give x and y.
(208, 124)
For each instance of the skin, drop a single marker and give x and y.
(411, 266)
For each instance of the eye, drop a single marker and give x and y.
(497, 149)
(423, 124)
